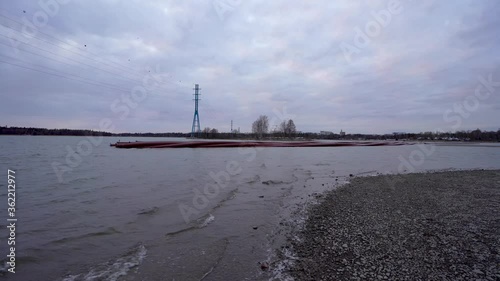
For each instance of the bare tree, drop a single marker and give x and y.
(213, 133)
(282, 128)
(287, 128)
(205, 133)
(291, 130)
(260, 126)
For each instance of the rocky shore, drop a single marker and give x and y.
(431, 226)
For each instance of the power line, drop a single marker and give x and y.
(59, 61)
(75, 61)
(81, 49)
(59, 75)
(70, 74)
(71, 51)
(59, 40)
(40, 55)
(49, 58)
(169, 81)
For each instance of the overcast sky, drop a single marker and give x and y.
(361, 66)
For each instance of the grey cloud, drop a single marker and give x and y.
(259, 57)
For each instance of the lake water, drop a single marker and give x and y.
(159, 214)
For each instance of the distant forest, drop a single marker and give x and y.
(475, 135)
(70, 132)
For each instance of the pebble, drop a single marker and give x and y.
(478, 271)
(419, 230)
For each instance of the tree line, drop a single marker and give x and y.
(260, 130)
(286, 128)
(72, 132)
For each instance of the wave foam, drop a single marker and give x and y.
(210, 218)
(112, 270)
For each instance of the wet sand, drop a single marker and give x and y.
(429, 226)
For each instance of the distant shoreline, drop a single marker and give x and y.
(435, 142)
(423, 226)
(456, 137)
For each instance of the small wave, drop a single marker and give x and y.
(272, 182)
(275, 182)
(75, 181)
(96, 155)
(112, 270)
(210, 218)
(229, 196)
(109, 186)
(255, 179)
(200, 223)
(4, 266)
(149, 211)
(89, 201)
(170, 234)
(367, 173)
(206, 219)
(107, 231)
(226, 243)
(61, 200)
(280, 269)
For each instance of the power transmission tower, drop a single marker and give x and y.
(195, 129)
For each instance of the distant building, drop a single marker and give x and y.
(342, 133)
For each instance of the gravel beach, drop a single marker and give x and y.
(429, 226)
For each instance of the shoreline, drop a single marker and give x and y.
(423, 226)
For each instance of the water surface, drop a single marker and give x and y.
(115, 214)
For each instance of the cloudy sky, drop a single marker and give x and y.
(361, 66)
